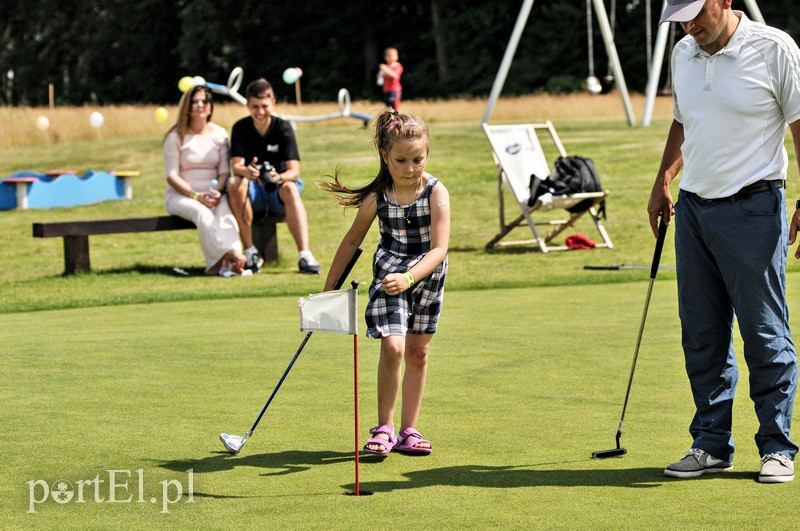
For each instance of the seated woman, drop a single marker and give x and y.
(197, 165)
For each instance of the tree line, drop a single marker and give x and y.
(115, 51)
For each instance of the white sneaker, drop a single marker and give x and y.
(776, 468)
(695, 463)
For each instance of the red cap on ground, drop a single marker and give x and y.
(579, 241)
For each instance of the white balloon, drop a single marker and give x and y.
(96, 120)
(43, 123)
(199, 80)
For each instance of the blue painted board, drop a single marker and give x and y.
(64, 190)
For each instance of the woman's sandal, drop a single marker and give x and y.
(410, 447)
(387, 444)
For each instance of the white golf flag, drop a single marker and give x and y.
(330, 311)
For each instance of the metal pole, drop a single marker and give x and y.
(355, 400)
(354, 285)
(755, 12)
(611, 49)
(655, 71)
(508, 57)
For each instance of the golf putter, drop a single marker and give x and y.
(619, 450)
(234, 443)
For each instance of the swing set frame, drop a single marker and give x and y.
(655, 64)
(608, 41)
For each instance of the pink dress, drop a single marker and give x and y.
(200, 159)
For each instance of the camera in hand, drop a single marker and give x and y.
(265, 175)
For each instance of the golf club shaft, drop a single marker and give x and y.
(338, 285)
(662, 233)
(635, 357)
(348, 268)
(280, 382)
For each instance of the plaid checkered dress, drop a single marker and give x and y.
(402, 245)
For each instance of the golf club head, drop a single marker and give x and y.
(232, 443)
(614, 452)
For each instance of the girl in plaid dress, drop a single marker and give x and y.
(410, 266)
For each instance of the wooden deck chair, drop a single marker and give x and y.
(518, 154)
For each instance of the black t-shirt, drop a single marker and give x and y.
(276, 146)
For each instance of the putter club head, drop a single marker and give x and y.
(615, 452)
(232, 443)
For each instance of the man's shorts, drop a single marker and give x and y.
(263, 201)
(392, 98)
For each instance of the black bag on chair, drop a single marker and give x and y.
(539, 187)
(573, 175)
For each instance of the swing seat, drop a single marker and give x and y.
(518, 155)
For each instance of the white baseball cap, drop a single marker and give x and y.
(681, 10)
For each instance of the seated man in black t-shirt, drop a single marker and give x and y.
(266, 166)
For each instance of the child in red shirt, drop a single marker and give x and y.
(391, 72)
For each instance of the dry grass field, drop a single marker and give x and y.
(70, 124)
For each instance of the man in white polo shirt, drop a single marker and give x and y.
(736, 85)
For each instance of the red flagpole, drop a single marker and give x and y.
(355, 394)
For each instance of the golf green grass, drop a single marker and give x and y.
(524, 384)
(134, 369)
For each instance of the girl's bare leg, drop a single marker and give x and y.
(392, 349)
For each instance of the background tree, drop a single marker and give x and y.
(118, 51)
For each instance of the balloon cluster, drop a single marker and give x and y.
(291, 75)
(187, 82)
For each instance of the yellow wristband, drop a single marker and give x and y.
(410, 278)
(196, 195)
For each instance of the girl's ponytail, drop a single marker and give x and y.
(390, 126)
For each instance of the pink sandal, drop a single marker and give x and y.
(387, 444)
(407, 447)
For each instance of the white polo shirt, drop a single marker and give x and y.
(734, 107)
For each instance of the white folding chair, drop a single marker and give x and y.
(518, 155)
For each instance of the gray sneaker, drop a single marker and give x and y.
(776, 468)
(695, 463)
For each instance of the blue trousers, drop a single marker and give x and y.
(731, 260)
(263, 201)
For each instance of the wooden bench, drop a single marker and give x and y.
(76, 235)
